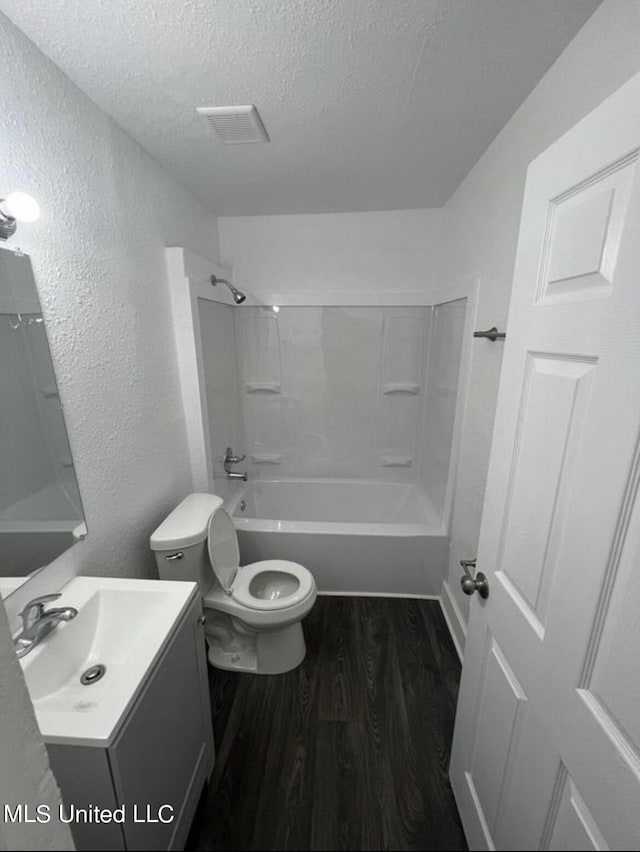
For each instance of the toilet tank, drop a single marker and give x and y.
(180, 542)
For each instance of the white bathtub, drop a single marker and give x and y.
(56, 507)
(40, 527)
(356, 537)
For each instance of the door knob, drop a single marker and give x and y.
(471, 584)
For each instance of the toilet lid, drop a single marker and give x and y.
(222, 543)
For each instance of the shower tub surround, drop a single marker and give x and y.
(332, 391)
(348, 414)
(345, 413)
(356, 537)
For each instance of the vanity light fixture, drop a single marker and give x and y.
(16, 207)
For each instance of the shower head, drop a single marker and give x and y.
(238, 295)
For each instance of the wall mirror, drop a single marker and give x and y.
(40, 508)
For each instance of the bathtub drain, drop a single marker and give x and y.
(92, 674)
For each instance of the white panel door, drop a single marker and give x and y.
(546, 750)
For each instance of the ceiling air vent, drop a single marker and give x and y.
(235, 125)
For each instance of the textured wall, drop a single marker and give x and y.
(98, 258)
(392, 251)
(481, 223)
(25, 776)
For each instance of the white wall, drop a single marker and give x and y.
(394, 252)
(98, 259)
(480, 231)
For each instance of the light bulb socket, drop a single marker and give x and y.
(8, 224)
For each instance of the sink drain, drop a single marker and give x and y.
(92, 674)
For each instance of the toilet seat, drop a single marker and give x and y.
(253, 581)
(269, 586)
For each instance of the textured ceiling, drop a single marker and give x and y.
(370, 104)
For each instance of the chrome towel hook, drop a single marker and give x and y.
(491, 334)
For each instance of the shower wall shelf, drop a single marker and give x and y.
(263, 387)
(266, 458)
(396, 461)
(401, 387)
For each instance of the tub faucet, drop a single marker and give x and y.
(38, 622)
(230, 459)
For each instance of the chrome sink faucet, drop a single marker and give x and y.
(230, 459)
(38, 622)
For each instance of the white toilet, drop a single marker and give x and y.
(253, 612)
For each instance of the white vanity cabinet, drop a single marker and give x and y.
(161, 754)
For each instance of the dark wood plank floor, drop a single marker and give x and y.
(350, 750)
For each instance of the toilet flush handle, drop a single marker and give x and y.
(173, 556)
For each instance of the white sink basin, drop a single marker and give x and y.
(121, 624)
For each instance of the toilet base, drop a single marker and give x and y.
(242, 650)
